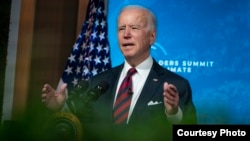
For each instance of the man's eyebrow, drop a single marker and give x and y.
(130, 26)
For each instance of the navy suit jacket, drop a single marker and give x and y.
(146, 122)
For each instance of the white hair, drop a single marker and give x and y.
(151, 17)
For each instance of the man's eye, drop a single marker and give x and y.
(120, 29)
(134, 27)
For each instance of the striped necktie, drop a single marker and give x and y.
(123, 100)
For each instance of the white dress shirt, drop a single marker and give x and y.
(139, 80)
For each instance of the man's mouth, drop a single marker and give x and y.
(127, 44)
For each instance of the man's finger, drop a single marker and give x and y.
(172, 87)
(48, 87)
(63, 88)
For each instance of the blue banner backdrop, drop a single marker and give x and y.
(207, 42)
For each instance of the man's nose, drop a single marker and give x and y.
(127, 33)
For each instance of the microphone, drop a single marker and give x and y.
(94, 94)
(75, 94)
(84, 104)
(130, 92)
(78, 90)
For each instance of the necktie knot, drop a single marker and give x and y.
(131, 71)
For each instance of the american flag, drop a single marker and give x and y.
(91, 52)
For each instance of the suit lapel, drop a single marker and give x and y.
(114, 77)
(152, 85)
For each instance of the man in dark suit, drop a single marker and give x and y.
(160, 98)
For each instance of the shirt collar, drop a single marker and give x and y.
(143, 66)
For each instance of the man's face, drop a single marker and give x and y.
(134, 34)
